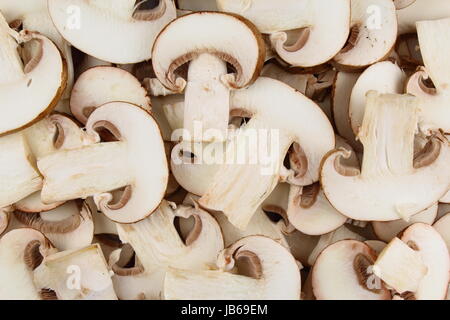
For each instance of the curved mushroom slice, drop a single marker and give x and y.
(315, 19)
(388, 230)
(352, 261)
(18, 176)
(40, 80)
(392, 185)
(67, 227)
(340, 104)
(435, 112)
(433, 250)
(421, 10)
(376, 245)
(384, 77)
(5, 216)
(310, 212)
(342, 233)
(443, 227)
(373, 33)
(238, 189)
(21, 251)
(80, 274)
(269, 272)
(208, 82)
(101, 85)
(158, 245)
(134, 31)
(137, 161)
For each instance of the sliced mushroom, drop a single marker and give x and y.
(267, 272)
(435, 113)
(21, 251)
(384, 77)
(433, 250)
(67, 227)
(80, 274)
(372, 36)
(238, 189)
(344, 271)
(87, 27)
(37, 77)
(158, 244)
(388, 230)
(137, 161)
(420, 10)
(208, 82)
(100, 85)
(392, 185)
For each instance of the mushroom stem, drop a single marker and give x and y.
(207, 99)
(12, 67)
(251, 172)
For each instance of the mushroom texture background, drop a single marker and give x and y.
(224, 149)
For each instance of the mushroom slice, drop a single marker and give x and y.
(384, 77)
(433, 250)
(435, 112)
(342, 233)
(134, 31)
(400, 267)
(373, 33)
(443, 226)
(80, 274)
(341, 93)
(315, 19)
(5, 217)
(420, 10)
(353, 262)
(137, 161)
(238, 189)
(208, 82)
(103, 84)
(388, 230)
(18, 176)
(41, 78)
(158, 244)
(310, 212)
(268, 272)
(69, 226)
(21, 251)
(392, 185)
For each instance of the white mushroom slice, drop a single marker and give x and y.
(420, 10)
(342, 233)
(33, 204)
(80, 274)
(5, 217)
(268, 272)
(69, 226)
(384, 77)
(156, 88)
(324, 28)
(238, 189)
(18, 176)
(101, 85)
(208, 82)
(88, 27)
(21, 251)
(197, 5)
(443, 227)
(344, 271)
(434, 102)
(400, 267)
(102, 225)
(376, 245)
(392, 184)
(446, 198)
(137, 161)
(310, 212)
(433, 250)
(388, 230)
(342, 90)
(41, 78)
(373, 33)
(158, 245)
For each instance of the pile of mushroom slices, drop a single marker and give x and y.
(229, 149)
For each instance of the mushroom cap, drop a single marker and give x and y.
(103, 84)
(90, 23)
(237, 42)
